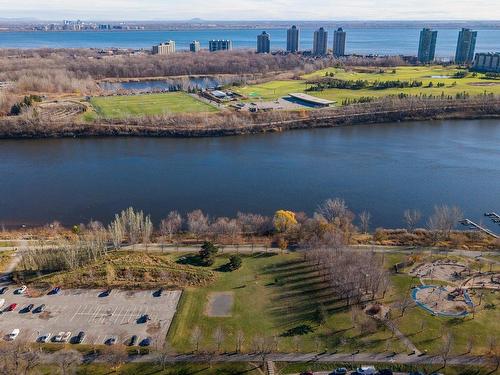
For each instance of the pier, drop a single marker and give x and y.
(475, 226)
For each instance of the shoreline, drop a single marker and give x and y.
(467, 110)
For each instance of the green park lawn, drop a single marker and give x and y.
(148, 104)
(272, 295)
(277, 293)
(435, 74)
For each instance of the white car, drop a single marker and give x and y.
(21, 290)
(367, 370)
(13, 335)
(44, 338)
(59, 337)
(66, 336)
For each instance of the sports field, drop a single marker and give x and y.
(473, 85)
(148, 104)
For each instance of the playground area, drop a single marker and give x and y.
(443, 301)
(484, 281)
(444, 270)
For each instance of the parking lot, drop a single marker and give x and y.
(99, 315)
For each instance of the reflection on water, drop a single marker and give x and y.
(384, 169)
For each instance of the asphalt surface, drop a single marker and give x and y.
(99, 315)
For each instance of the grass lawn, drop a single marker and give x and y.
(149, 368)
(272, 295)
(5, 259)
(426, 331)
(275, 89)
(150, 104)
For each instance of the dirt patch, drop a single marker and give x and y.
(444, 270)
(45, 315)
(484, 281)
(220, 304)
(486, 84)
(444, 301)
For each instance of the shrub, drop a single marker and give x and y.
(235, 262)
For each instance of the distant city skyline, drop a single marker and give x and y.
(244, 10)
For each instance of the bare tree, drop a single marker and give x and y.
(240, 339)
(219, 337)
(412, 217)
(164, 354)
(405, 303)
(444, 219)
(171, 224)
(114, 355)
(196, 337)
(365, 218)
(67, 360)
(198, 223)
(446, 347)
(333, 208)
(470, 343)
(147, 231)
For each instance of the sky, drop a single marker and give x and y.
(252, 9)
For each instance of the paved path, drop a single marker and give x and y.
(401, 336)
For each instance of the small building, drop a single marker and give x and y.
(166, 48)
(195, 46)
(311, 100)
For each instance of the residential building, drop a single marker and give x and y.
(339, 37)
(427, 45)
(320, 43)
(487, 62)
(194, 46)
(292, 39)
(263, 43)
(166, 48)
(220, 45)
(466, 46)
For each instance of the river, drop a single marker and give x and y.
(361, 40)
(384, 169)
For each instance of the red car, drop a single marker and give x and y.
(12, 307)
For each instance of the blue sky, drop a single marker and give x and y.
(253, 9)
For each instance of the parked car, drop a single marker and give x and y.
(66, 336)
(105, 293)
(385, 371)
(62, 336)
(3, 289)
(13, 335)
(366, 370)
(307, 373)
(146, 342)
(80, 337)
(133, 341)
(2, 302)
(339, 371)
(28, 308)
(55, 290)
(110, 341)
(39, 309)
(11, 307)
(21, 290)
(44, 338)
(158, 293)
(143, 318)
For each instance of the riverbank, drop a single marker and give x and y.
(386, 110)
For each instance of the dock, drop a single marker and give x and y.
(493, 216)
(475, 226)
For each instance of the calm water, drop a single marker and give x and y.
(383, 169)
(163, 85)
(391, 41)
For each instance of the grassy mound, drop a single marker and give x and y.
(129, 270)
